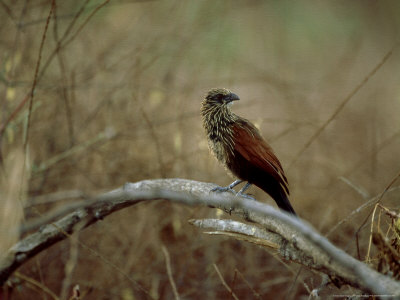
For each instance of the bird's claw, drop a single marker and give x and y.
(247, 196)
(220, 189)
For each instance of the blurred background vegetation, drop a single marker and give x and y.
(117, 99)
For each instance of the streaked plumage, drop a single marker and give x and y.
(238, 145)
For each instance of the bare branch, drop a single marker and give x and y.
(297, 240)
(241, 231)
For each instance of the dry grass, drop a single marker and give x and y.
(117, 98)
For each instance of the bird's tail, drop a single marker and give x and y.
(284, 203)
(279, 195)
(277, 192)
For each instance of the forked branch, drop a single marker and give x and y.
(294, 239)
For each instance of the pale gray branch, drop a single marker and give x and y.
(257, 235)
(296, 240)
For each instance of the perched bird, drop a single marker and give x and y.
(238, 145)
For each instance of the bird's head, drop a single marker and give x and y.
(220, 96)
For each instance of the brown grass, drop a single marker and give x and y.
(139, 70)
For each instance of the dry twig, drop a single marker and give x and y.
(224, 283)
(169, 271)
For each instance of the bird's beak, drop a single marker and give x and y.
(233, 97)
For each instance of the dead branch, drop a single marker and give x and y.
(295, 240)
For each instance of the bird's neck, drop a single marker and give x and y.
(217, 118)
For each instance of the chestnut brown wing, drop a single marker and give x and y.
(254, 149)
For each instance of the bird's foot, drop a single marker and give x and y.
(228, 188)
(247, 196)
(242, 192)
(220, 189)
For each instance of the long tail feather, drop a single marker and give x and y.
(284, 204)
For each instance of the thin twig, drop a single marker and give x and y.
(55, 197)
(63, 38)
(358, 210)
(367, 157)
(255, 293)
(373, 214)
(156, 141)
(358, 189)
(13, 49)
(224, 282)
(37, 284)
(8, 11)
(105, 135)
(35, 77)
(86, 21)
(82, 224)
(65, 80)
(169, 272)
(367, 258)
(39, 75)
(340, 107)
(71, 262)
(387, 188)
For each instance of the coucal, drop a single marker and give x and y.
(238, 145)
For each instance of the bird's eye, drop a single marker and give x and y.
(219, 97)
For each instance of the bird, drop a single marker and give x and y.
(239, 146)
